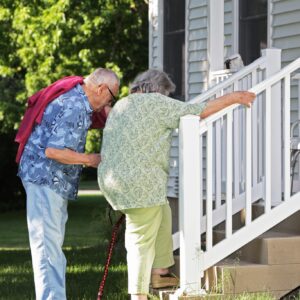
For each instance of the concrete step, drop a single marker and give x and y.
(271, 248)
(231, 277)
(291, 224)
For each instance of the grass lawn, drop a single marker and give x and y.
(87, 235)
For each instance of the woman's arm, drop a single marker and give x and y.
(213, 106)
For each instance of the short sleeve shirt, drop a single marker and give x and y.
(65, 123)
(136, 143)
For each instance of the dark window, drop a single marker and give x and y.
(174, 43)
(252, 29)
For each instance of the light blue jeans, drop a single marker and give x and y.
(46, 218)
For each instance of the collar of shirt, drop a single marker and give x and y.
(85, 99)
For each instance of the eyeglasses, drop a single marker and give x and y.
(112, 95)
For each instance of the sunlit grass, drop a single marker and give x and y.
(85, 246)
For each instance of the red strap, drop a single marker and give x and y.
(109, 255)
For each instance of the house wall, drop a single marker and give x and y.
(196, 43)
(285, 34)
(196, 47)
(228, 28)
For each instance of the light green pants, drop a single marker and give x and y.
(148, 241)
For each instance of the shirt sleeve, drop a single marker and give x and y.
(171, 110)
(68, 129)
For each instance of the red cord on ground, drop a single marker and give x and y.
(109, 255)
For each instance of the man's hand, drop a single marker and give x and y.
(93, 160)
(244, 98)
(70, 157)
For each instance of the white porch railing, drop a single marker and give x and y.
(197, 205)
(219, 76)
(244, 79)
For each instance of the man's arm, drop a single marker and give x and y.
(70, 157)
(218, 104)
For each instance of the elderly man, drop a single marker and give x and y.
(134, 170)
(50, 166)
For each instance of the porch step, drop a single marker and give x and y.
(269, 264)
(270, 248)
(231, 277)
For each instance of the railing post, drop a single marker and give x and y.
(296, 78)
(273, 65)
(190, 204)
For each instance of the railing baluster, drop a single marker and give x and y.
(254, 132)
(260, 134)
(218, 164)
(209, 164)
(236, 143)
(287, 97)
(201, 175)
(268, 166)
(248, 165)
(229, 154)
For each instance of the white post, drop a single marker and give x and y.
(216, 35)
(229, 151)
(273, 65)
(189, 204)
(209, 188)
(287, 121)
(248, 165)
(155, 18)
(268, 149)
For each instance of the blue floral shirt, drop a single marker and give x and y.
(65, 123)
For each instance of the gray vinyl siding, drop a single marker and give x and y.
(196, 60)
(228, 28)
(286, 29)
(286, 36)
(197, 73)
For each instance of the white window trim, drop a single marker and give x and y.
(216, 35)
(161, 34)
(269, 22)
(156, 11)
(186, 50)
(235, 21)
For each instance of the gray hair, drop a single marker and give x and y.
(101, 76)
(153, 81)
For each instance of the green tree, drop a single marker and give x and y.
(44, 40)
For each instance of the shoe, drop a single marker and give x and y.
(166, 280)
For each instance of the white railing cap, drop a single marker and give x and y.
(257, 89)
(259, 63)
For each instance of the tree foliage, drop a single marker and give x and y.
(44, 40)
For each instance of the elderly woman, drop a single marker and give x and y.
(133, 172)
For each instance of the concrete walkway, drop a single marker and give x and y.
(89, 192)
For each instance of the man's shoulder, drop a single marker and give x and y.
(71, 100)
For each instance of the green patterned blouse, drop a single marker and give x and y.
(134, 166)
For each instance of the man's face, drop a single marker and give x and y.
(105, 96)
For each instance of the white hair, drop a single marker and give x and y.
(153, 81)
(101, 76)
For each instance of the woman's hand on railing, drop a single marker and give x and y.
(244, 98)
